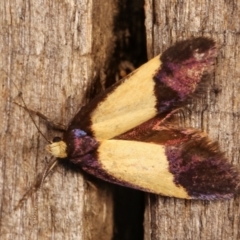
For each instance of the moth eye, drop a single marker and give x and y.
(57, 139)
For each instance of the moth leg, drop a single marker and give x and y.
(55, 125)
(160, 121)
(37, 185)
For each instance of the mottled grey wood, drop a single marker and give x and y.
(53, 51)
(217, 113)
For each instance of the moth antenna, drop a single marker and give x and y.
(25, 107)
(29, 192)
(55, 126)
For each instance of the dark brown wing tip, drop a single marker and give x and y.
(185, 63)
(184, 50)
(201, 168)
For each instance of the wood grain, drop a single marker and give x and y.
(54, 51)
(217, 113)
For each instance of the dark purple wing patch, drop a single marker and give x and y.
(183, 67)
(200, 167)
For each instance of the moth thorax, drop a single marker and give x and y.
(57, 149)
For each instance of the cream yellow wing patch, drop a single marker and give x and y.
(143, 165)
(130, 104)
(115, 126)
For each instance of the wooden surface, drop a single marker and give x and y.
(54, 51)
(217, 113)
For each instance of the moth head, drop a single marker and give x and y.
(58, 148)
(76, 144)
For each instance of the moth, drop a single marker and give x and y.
(122, 137)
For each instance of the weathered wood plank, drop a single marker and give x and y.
(53, 51)
(217, 113)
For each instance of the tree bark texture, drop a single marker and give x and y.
(217, 113)
(54, 52)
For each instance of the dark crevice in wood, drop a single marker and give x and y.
(130, 44)
(128, 214)
(130, 48)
